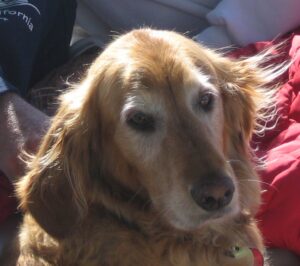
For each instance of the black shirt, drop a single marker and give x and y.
(34, 39)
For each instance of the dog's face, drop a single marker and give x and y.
(167, 125)
(170, 128)
(162, 117)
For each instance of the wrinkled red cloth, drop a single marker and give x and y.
(279, 216)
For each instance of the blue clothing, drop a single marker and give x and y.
(34, 39)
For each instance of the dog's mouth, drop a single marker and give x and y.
(203, 221)
(184, 214)
(197, 223)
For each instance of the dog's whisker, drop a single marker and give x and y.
(255, 180)
(243, 181)
(234, 161)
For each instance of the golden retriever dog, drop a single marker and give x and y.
(147, 161)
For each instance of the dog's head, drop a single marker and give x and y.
(157, 116)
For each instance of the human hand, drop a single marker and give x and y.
(21, 127)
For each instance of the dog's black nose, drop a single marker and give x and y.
(214, 194)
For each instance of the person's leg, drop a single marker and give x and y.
(103, 18)
(283, 257)
(7, 236)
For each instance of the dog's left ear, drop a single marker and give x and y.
(249, 102)
(249, 92)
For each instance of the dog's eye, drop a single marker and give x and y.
(141, 121)
(206, 101)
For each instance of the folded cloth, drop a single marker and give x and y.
(243, 22)
(279, 216)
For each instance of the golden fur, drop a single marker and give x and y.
(100, 192)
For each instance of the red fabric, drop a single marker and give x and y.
(279, 216)
(258, 257)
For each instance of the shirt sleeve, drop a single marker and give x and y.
(5, 85)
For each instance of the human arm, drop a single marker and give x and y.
(34, 40)
(21, 127)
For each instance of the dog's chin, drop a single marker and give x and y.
(191, 223)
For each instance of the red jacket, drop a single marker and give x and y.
(279, 216)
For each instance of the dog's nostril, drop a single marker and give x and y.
(224, 201)
(213, 196)
(209, 203)
(228, 196)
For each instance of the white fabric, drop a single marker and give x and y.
(101, 18)
(214, 36)
(246, 21)
(237, 22)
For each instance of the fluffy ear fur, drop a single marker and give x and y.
(249, 103)
(54, 189)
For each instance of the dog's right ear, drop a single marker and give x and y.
(53, 191)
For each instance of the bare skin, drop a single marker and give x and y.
(21, 127)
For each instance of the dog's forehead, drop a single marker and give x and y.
(157, 61)
(156, 65)
(146, 93)
(179, 80)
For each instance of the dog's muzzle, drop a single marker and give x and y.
(213, 194)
